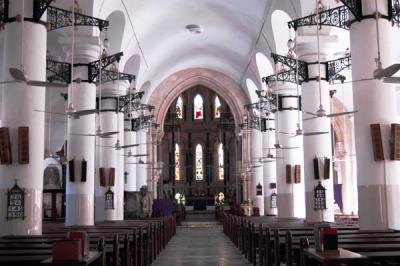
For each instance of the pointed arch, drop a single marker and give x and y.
(199, 162)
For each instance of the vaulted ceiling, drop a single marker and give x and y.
(153, 35)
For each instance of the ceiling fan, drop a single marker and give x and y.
(321, 112)
(383, 73)
(141, 162)
(130, 154)
(72, 113)
(118, 146)
(19, 76)
(99, 133)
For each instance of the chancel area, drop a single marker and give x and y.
(258, 132)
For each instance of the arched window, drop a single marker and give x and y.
(177, 162)
(217, 107)
(221, 171)
(179, 108)
(199, 162)
(198, 107)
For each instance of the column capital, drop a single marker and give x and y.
(114, 88)
(87, 48)
(307, 47)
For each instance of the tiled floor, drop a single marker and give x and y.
(200, 246)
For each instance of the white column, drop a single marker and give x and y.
(257, 173)
(130, 138)
(80, 195)
(269, 168)
(18, 103)
(107, 158)
(319, 146)
(378, 182)
(291, 198)
(120, 179)
(141, 177)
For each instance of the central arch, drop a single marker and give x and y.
(168, 90)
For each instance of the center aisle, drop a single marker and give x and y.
(200, 246)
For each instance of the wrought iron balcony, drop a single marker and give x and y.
(335, 17)
(109, 75)
(333, 67)
(355, 7)
(57, 70)
(284, 76)
(293, 64)
(60, 18)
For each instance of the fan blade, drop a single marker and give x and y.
(256, 166)
(140, 155)
(85, 112)
(342, 113)
(106, 134)
(395, 80)
(85, 135)
(18, 74)
(289, 148)
(8, 82)
(389, 71)
(311, 113)
(310, 118)
(46, 84)
(286, 133)
(48, 112)
(315, 133)
(269, 161)
(128, 146)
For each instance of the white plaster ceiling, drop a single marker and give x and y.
(153, 33)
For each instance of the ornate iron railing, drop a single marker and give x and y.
(60, 18)
(335, 17)
(293, 64)
(252, 122)
(126, 99)
(94, 67)
(109, 75)
(57, 70)
(355, 7)
(284, 76)
(333, 67)
(39, 7)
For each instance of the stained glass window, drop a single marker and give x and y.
(199, 162)
(221, 162)
(198, 107)
(177, 162)
(179, 108)
(217, 107)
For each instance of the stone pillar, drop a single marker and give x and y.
(142, 173)
(108, 155)
(19, 101)
(291, 199)
(269, 168)
(130, 169)
(119, 199)
(256, 173)
(107, 159)
(80, 195)
(378, 182)
(319, 146)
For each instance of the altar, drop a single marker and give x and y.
(199, 203)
